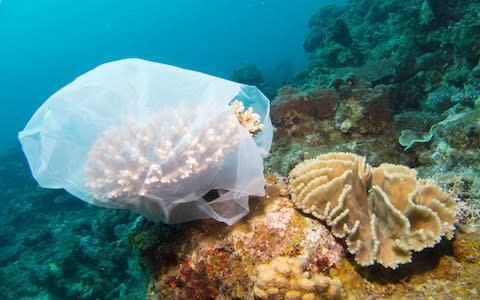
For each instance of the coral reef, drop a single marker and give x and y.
(384, 213)
(250, 74)
(367, 111)
(377, 69)
(330, 120)
(206, 260)
(56, 247)
(426, 83)
(369, 75)
(247, 74)
(447, 271)
(422, 51)
(452, 158)
(425, 54)
(346, 109)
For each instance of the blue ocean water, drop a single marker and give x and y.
(45, 44)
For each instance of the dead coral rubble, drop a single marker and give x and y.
(384, 213)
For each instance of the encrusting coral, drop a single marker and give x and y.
(283, 278)
(384, 213)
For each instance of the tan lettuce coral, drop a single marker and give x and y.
(384, 213)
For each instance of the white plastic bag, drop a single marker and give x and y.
(152, 138)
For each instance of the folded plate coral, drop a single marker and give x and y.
(384, 213)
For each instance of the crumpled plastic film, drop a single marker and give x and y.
(157, 139)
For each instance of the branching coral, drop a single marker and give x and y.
(248, 119)
(171, 156)
(384, 213)
(142, 161)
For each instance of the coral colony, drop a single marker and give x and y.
(384, 213)
(119, 164)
